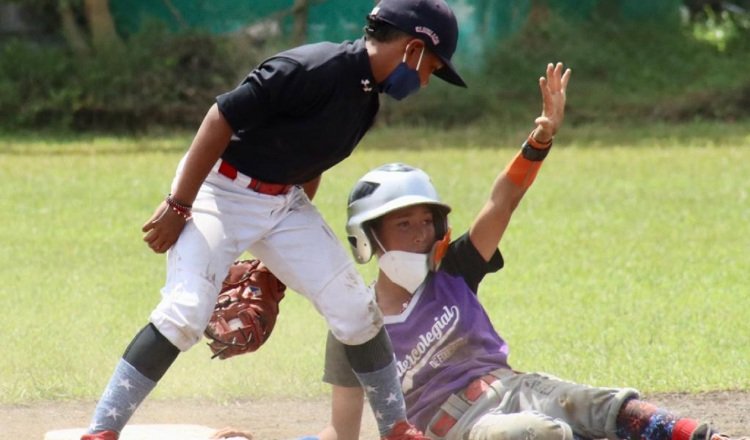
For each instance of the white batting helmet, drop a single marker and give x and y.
(385, 189)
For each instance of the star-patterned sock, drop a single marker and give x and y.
(126, 390)
(639, 420)
(383, 391)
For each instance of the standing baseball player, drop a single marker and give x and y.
(452, 363)
(246, 183)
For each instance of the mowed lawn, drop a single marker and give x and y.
(627, 264)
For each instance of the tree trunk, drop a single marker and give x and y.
(101, 24)
(300, 12)
(539, 13)
(176, 14)
(73, 34)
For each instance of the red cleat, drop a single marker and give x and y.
(404, 430)
(101, 435)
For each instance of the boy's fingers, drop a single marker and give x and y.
(565, 79)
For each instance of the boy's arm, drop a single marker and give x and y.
(165, 225)
(347, 404)
(311, 187)
(511, 185)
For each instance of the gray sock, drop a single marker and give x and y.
(384, 394)
(126, 390)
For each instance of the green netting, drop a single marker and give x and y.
(218, 16)
(482, 22)
(340, 19)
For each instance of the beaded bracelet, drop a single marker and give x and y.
(184, 210)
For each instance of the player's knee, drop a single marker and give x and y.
(520, 426)
(349, 308)
(354, 333)
(356, 326)
(184, 311)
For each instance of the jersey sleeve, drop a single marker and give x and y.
(337, 370)
(277, 87)
(464, 260)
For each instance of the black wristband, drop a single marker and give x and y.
(534, 154)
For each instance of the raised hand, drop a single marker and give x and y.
(553, 88)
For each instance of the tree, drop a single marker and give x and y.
(73, 34)
(86, 25)
(100, 23)
(300, 11)
(539, 13)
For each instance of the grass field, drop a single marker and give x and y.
(628, 262)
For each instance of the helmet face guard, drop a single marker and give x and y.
(383, 190)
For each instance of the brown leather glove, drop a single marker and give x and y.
(245, 311)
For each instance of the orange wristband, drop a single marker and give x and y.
(522, 171)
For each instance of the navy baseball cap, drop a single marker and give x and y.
(432, 21)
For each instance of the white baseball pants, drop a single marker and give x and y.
(288, 234)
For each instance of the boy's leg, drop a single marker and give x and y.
(519, 426)
(600, 412)
(196, 265)
(491, 415)
(642, 420)
(374, 366)
(144, 362)
(591, 412)
(307, 256)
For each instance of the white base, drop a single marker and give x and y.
(143, 432)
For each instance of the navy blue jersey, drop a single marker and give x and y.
(300, 112)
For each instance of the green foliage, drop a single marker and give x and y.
(626, 68)
(622, 70)
(155, 79)
(724, 29)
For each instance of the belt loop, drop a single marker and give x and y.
(503, 372)
(256, 185)
(450, 411)
(227, 169)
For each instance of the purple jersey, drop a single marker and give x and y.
(442, 341)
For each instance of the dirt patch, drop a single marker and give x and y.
(286, 419)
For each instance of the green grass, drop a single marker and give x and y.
(626, 264)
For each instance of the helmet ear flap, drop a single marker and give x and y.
(361, 245)
(362, 241)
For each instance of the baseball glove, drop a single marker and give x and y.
(245, 311)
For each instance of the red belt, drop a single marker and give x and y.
(272, 189)
(471, 393)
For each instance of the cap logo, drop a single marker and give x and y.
(429, 32)
(375, 11)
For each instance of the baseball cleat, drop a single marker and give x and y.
(404, 430)
(704, 432)
(101, 435)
